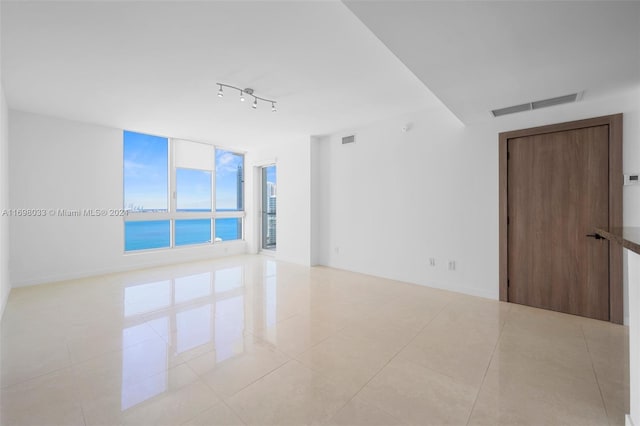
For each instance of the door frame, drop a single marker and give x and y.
(615, 202)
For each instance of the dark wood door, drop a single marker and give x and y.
(557, 192)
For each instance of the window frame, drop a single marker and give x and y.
(173, 214)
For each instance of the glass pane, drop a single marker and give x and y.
(146, 160)
(147, 235)
(269, 204)
(229, 181)
(193, 231)
(228, 229)
(193, 190)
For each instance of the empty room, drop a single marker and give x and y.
(319, 212)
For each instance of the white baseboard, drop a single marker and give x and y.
(627, 420)
(235, 249)
(471, 291)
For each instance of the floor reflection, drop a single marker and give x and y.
(145, 298)
(215, 343)
(194, 313)
(229, 340)
(192, 287)
(194, 328)
(148, 361)
(270, 300)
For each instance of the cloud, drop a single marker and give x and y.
(227, 162)
(133, 168)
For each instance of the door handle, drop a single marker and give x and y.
(596, 236)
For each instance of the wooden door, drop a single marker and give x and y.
(558, 192)
(546, 260)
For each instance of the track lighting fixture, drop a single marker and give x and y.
(249, 92)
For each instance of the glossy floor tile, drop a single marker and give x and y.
(250, 340)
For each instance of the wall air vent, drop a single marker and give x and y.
(574, 97)
(348, 139)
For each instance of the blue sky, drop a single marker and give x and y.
(146, 177)
(226, 178)
(194, 189)
(145, 171)
(271, 174)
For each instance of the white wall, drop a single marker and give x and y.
(393, 199)
(5, 283)
(292, 158)
(61, 164)
(387, 203)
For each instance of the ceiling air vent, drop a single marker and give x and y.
(511, 110)
(348, 139)
(555, 101)
(574, 97)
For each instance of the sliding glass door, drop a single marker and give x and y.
(269, 197)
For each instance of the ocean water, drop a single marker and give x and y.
(152, 234)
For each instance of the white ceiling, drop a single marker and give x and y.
(152, 66)
(477, 56)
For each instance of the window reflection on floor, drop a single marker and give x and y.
(194, 328)
(271, 299)
(145, 298)
(228, 279)
(192, 287)
(230, 329)
(195, 313)
(144, 372)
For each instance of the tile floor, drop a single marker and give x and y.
(249, 340)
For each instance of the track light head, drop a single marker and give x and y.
(255, 103)
(241, 96)
(220, 93)
(273, 107)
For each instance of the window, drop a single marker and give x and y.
(146, 186)
(229, 181)
(228, 229)
(269, 207)
(146, 173)
(179, 193)
(193, 231)
(193, 190)
(229, 195)
(148, 234)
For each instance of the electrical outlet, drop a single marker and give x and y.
(432, 261)
(452, 265)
